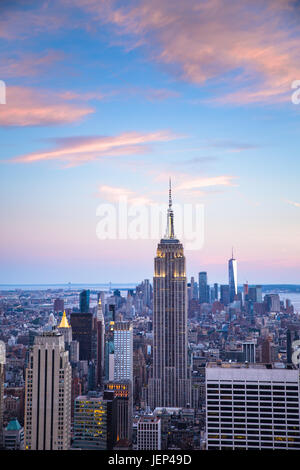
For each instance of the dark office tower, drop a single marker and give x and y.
(212, 295)
(91, 376)
(2, 380)
(232, 277)
(252, 294)
(224, 294)
(100, 343)
(292, 334)
(82, 329)
(84, 301)
(58, 305)
(109, 397)
(246, 291)
(266, 357)
(123, 409)
(169, 385)
(216, 289)
(208, 294)
(203, 287)
(112, 312)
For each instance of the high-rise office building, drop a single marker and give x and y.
(170, 383)
(194, 289)
(246, 291)
(90, 422)
(65, 329)
(149, 433)
(266, 350)
(249, 351)
(216, 291)
(272, 302)
(123, 409)
(252, 406)
(2, 381)
(255, 294)
(259, 294)
(232, 277)
(224, 294)
(48, 394)
(84, 301)
(100, 343)
(252, 294)
(203, 291)
(14, 435)
(109, 351)
(292, 334)
(123, 351)
(58, 305)
(82, 331)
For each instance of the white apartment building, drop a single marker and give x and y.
(149, 433)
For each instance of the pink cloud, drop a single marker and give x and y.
(30, 107)
(256, 41)
(83, 149)
(293, 203)
(206, 182)
(28, 64)
(114, 194)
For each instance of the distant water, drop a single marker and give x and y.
(294, 298)
(70, 286)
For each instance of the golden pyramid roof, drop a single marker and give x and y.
(64, 322)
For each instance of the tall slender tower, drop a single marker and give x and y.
(100, 343)
(232, 275)
(170, 383)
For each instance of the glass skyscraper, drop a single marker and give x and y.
(203, 291)
(232, 276)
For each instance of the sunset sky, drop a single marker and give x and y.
(110, 98)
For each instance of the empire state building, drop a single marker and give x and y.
(170, 383)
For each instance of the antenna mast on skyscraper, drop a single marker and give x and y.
(170, 218)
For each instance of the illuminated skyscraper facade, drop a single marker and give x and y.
(170, 384)
(90, 422)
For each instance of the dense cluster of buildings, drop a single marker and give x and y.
(173, 364)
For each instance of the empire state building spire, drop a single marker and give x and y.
(170, 384)
(170, 217)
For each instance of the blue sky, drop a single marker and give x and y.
(112, 98)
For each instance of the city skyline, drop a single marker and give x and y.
(103, 102)
(150, 255)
